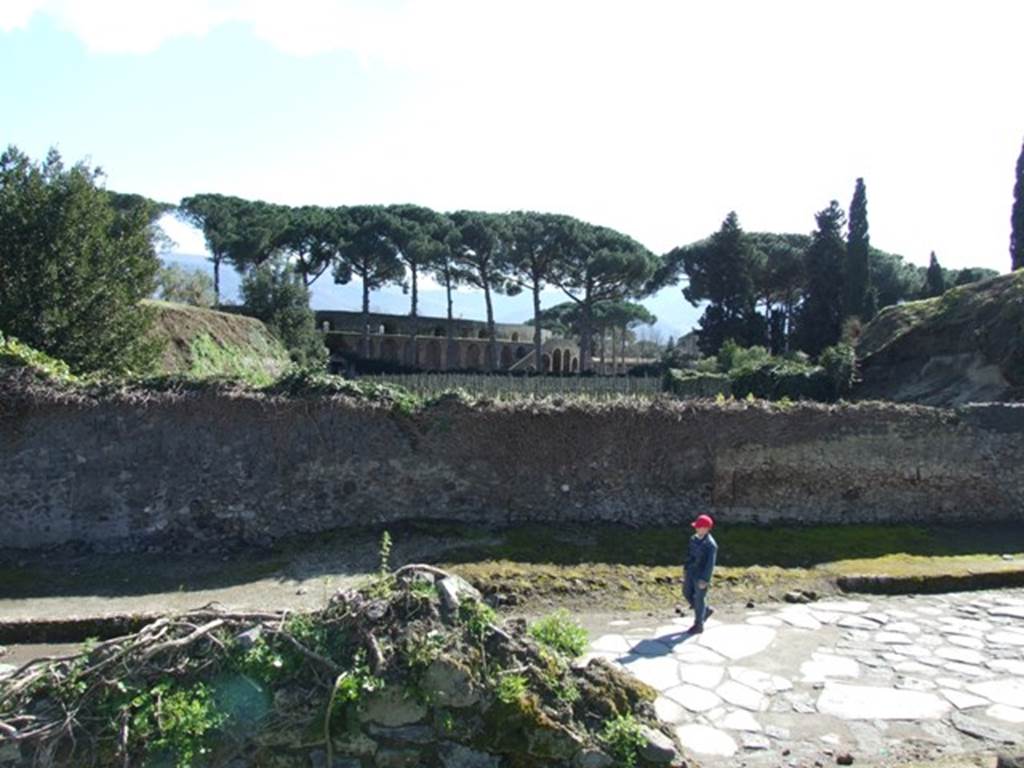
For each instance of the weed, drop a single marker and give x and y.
(560, 632)
(511, 688)
(477, 618)
(172, 720)
(623, 738)
(421, 650)
(383, 584)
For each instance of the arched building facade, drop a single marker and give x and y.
(424, 344)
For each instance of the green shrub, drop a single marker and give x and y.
(623, 739)
(784, 378)
(14, 354)
(560, 632)
(733, 359)
(511, 688)
(175, 721)
(840, 365)
(696, 384)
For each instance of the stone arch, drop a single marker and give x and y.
(520, 352)
(556, 361)
(515, 335)
(391, 349)
(390, 327)
(439, 330)
(454, 356)
(575, 365)
(430, 355)
(506, 356)
(546, 362)
(473, 356)
(482, 333)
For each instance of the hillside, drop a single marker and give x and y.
(204, 342)
(964, 346)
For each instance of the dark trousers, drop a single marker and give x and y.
(697, 598)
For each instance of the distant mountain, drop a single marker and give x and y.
(675, 315)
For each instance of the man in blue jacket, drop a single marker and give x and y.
(697, 571)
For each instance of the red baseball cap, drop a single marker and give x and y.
(704, 521)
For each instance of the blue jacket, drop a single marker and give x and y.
(700, 558)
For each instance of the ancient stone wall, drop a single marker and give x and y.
(182, 470)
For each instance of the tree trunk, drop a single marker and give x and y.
(364, 344)
(585, 333)
(538, 345)
(216, 279)
(611, 332)
(604, 338)
(622, 351)
(453, 348)
(414, 359)
(492, 347)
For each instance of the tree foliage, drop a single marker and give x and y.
(722, 271)
(274, 293)
(821, 316)
(597, 264)
(74, 265)
(185, 286)
(857, 275)
(935, 280)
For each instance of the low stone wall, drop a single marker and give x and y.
(204, 468)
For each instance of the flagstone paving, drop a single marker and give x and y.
(888, 677)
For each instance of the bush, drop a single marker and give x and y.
(17, 355)
(840, 365)
(734, 359)
(73, 267)
(696, 384)
(274, 293)
(560, 632)
(784, 378)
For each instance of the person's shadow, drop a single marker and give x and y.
(653, 647)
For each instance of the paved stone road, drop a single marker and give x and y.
(890, 677)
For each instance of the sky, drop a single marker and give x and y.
(654, 118)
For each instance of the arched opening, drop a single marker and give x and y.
(439, 330)
(482, 333)
(506, 356)
(390, 350)
(520, 353)
(390, 327)
(454, 359)
(430, 355)
(556, 361)
(575, 364)
(473, 356)
(515, 336)
(547, 363)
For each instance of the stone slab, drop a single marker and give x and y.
(737, 641)
(705, 740)
(857, 702)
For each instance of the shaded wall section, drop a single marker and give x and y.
(188, 470)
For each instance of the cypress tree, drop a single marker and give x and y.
(934, 282)
(820, 317)
(1017, 217)
(857, 277)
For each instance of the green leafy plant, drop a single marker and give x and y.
(477, 618)
(623, 738)
(560, 632)
(421, 650)
(168, 719)
(511, 688)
